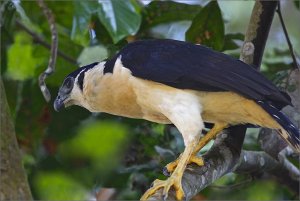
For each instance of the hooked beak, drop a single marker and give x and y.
(58, 104)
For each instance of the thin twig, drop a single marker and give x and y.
(54, 45)
(278, 10)
(38, 39)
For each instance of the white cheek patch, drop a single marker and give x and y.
(76, 94)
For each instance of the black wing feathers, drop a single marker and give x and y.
(293, 134)
(188, 66)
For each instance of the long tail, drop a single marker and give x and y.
(290, 133)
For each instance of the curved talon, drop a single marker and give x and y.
(174, 180)
(157, 184)
(197, 160)
(166, 185)
(178, 190)
(169, 168)
(166, 190)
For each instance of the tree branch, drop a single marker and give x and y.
(225, 153)
(254, 162)
(54, 45)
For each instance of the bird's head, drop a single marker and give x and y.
(71, 90)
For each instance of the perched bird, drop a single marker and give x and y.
(175, 82)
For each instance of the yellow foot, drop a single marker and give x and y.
(168, 169)
(166, 185)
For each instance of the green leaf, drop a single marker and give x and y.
(207, 27)
(21, 61)
(120, 18)
(58, 186)
(60, 11)
(33, 17)
(229, 41)
(92, 54)
(158, 12)
(102, 34)
(83, 11)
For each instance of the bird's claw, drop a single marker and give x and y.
(166, 185)
(169, 168)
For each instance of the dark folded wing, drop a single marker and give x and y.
(187, 66)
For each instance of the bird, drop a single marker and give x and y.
(175, 82)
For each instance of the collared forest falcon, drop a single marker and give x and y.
(175, 82)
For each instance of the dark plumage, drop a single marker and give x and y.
(292, 131)
(187, 66)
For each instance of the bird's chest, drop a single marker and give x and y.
(114, 97)
(118, 96)
(120, 93)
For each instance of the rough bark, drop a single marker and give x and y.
(13, 180)
(224, 155)
(260, 163)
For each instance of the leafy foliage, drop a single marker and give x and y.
(207, 27)
(62, 187)
(23, 47)
(159, 12)
(108, 12)
(71, 154)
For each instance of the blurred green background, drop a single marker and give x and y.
(76, 155)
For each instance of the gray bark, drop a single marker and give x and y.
(13, 180)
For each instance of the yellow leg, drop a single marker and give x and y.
(171, 166)
(218, 127)
(175, 179)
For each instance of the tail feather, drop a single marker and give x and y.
(291, 133)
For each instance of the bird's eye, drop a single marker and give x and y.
(68, 84)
